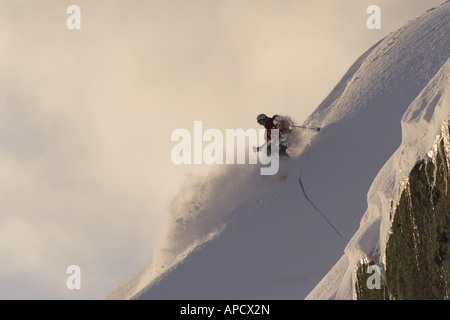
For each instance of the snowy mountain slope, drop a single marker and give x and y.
(243, 236)
(425, 118)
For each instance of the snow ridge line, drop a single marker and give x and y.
(317, 209)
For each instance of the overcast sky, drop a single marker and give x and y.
(86, 115)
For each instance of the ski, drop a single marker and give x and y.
(309, 128)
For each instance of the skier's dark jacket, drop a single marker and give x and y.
(275, 123)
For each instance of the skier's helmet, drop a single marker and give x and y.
(261, 118)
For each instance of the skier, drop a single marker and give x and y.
(276, 122)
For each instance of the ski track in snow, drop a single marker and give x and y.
(317, 209)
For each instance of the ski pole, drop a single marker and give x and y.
(310, 128)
